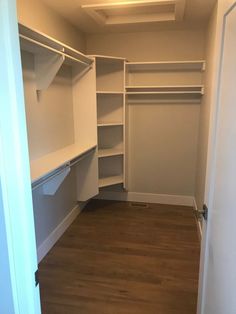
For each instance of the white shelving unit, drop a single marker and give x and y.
(50, 55)
(186, 89)
(61, 127)
(110, 83)
(165, 82)
(197, 65)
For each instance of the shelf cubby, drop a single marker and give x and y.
(109, 181)
(109, 108)
(109, 74)
(110, 170)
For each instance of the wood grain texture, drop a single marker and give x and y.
(119, 259)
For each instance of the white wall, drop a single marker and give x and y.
(36, 14)
(163, 138)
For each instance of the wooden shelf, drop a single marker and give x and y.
(110, 124)
(178, 89)
(50, 162)
(108, 152)
(197, 65)
(107, 181)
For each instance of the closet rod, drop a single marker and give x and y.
(49, 177)
(58, 171)
(52, 49)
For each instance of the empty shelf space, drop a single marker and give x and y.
(107, 181)
(110, 124)
(50, 162)
(198, 65)
(178, 89)
(108, 152)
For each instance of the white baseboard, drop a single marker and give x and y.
(147, 198)
(47, 244)
(199, 225)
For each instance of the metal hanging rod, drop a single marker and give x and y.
(35, 42)
(59, 170)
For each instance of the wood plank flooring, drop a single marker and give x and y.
(122, 259)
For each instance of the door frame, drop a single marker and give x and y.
(16, 209)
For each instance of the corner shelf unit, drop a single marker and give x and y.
(110, 84)
(61, 128)
(184, 80)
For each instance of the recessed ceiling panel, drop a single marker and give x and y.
(136, 12)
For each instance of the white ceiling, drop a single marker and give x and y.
(196, 14)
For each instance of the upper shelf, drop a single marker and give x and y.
(178, 89)
(44, 41)
(198, 65)
(107, 59)
(50, 54)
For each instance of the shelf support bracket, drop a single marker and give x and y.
(51, 186)
(46, 67)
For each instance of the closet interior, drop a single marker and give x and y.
(108, 125)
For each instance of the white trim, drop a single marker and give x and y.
(55, 235)
(183, 200)
(199, 225)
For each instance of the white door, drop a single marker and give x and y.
(218, 267)
(19, 293)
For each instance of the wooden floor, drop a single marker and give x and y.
(122, 259)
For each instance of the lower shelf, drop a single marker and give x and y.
(50, 162)
(108, 152)
(107, 181)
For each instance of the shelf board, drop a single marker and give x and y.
(197, 65)
(107, 181)
(110, 92)
(50, 162)
(162, 90)
(34, 41)
(110, 124)
(107, 59)
(108, 152)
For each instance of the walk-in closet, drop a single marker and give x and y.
(118, 99)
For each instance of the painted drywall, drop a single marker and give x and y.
(46, 113)
(206, 110)
(51, 210)
(149, 46)
(162, 137)
(36, 14)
